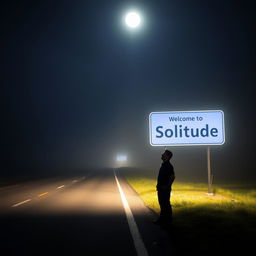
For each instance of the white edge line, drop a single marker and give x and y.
(139, 245)
(61, 187)
(23, 202)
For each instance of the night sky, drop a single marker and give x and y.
(78, 86)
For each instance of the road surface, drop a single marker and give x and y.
(80, 216)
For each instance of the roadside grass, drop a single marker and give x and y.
(202, 224)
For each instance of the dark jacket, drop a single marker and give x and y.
(166, 176)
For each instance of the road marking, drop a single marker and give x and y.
(43, 194)
(74, 181)
(23, 202)
(139, 245)
(61, 187)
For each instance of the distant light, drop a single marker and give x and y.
(132, 19)
(121, 158)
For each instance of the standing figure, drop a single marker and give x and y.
(165, 179)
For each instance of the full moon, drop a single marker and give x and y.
(132, 19)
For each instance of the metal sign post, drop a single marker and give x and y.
(210, 176)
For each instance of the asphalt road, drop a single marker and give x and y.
(78, 216)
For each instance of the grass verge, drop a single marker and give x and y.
(214, 225)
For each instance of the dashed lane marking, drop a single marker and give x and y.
(43, 194)
(23, 202)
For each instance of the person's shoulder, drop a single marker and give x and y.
(170, 165)
(167, 164)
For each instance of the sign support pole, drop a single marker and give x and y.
(210, 177)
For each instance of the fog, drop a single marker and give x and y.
(78, 87)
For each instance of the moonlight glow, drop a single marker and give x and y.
(132, 19)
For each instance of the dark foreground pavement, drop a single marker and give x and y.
(82, 216)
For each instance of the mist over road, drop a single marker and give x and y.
(82, 215)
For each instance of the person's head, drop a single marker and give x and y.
(166, 156)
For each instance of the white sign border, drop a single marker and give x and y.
(187, 144)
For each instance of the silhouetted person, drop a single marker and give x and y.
(165, 179)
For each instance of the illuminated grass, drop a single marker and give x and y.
(225, 218)
(195, 195)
